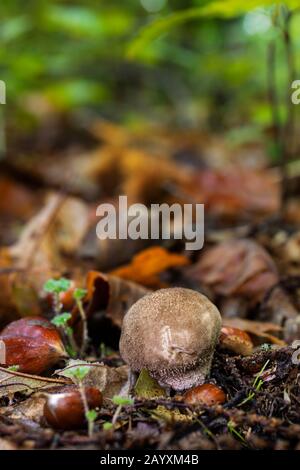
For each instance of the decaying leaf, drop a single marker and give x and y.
(140, 175)
(6, 444)
(237, 191)
(110, 294)
(146, 266)
(26, 265)
(147, 387)
(13, 381)
(236, 268)
(16, 199)
(171, 416)
(37, 255)
(32, 408)
(109, 380)
(257, 328)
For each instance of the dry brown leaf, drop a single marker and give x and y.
(6, 444)
(133, 172)
(38, 255)
(237, 191)
(146, 266)
(32, 408)
(25, 266)
(16, 199)
(110, 294)
(13, 381)
(236, 267)
(256, 328)
(109, 380)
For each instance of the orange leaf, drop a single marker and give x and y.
(146, 266)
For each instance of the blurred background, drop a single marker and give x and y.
(207, 70)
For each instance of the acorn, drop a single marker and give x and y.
(65, 410)
(206, 394)
(172, 333)
(33, 344)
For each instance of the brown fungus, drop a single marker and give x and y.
(172, 333)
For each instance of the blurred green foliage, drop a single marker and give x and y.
(197, 62)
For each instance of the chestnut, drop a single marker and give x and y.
(33, 344)
(236, 340)
(172, 333)
(206, 394)
(65, 410)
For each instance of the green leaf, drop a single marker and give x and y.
(56, 286)
(77, 373)
(107, 426)
(79, 294)
(91, 415)
(147, 387)
(13, 368)
(61, 320)
(225, 9)
(13, 28)
(76, 20)
(123, 401)
(75, 92)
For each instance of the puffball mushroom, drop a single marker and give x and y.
(172, 333)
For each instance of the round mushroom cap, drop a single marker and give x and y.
(172, 333)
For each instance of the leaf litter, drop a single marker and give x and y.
(248, 267)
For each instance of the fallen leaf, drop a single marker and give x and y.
(38, 255)
(109, 380)
(257, 328)
(110, 294)
(146, 266)
(236, 268)
(147, 387)
(139, 175)
(6, 444)
(236, 191)
(16, 199)
(13, 381)
(32, 408)
(171, 416)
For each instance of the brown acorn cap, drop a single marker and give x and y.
(172, 333)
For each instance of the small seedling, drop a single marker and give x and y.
(234, 432)
(79, 295)
(105, 351)
(107, 426)
(120, 402)
(13, 368)
(266, 347)
(257, 384)
(56, 287)
(78, 374)
(91, 417)
(61, 321)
